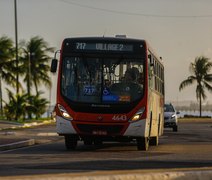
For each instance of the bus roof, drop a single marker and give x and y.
(96, 38)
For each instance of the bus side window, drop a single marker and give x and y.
(151, 70)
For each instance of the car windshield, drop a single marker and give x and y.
(168, 108)
(102, 80)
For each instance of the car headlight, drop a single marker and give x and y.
(138, 115)
(173, 116)
(64, 113)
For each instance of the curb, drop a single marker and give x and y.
(182, 175)
(197, 175)
(191, 175)
(15, 145)
(21, 143)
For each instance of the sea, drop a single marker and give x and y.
(195, 113)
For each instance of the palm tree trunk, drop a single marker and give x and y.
(200, 106)
(36, 88)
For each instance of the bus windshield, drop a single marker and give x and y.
(102, 80)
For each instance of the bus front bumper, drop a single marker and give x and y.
(134, 129)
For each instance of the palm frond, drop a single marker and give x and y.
(208, 78)
(208, 86)
(190, 80)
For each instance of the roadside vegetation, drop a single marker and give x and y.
(195, 120)
(33, 69)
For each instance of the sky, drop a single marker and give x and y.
(177, 30)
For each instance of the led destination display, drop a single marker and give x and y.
(104, 47)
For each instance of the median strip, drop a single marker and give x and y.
(18, 144)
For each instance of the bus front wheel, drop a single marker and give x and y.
(70, 142)
(143, 143)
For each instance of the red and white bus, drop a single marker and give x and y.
(109, 89)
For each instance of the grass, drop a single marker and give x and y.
(20, 124)
(24, 121)
(195, 119)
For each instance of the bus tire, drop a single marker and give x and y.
(88, 141)
(154, 141)
(70, 142)
(175, 128)
(97, 142)
(142, 143)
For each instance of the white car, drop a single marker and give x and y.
(170, 117)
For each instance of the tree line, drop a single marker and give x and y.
(33, 68)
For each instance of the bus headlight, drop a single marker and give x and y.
(138, 115)
(64, 113)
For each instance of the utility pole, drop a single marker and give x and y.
(16, 46)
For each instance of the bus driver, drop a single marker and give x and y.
(131, 75)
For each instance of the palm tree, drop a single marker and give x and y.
(35, 62)
(200, 70)
(39, 104)
(7, 64)
(17, 106)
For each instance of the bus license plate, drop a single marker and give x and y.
(99, 132)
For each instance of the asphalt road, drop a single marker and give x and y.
(190, 147)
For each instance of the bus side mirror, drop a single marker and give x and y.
(54, 65)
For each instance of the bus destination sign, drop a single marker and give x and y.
(104, 47)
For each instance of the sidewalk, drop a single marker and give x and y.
(16, 135)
